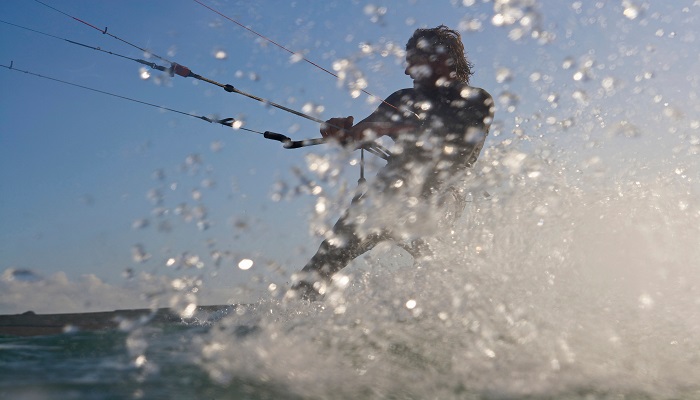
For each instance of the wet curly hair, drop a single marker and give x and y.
(442, 38)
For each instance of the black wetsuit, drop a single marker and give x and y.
(447, 130)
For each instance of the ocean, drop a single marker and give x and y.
(545, 289)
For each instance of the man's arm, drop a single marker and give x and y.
(367, 129)
(386, 120)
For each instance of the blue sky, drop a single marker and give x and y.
(76, 167)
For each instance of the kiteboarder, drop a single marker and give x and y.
(438, 128)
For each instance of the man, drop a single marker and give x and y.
(438, 127)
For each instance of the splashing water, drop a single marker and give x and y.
(571, 274)
(550, 284)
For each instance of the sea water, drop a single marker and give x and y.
(549, 286)
(572, 274)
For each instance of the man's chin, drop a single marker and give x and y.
(423, 83)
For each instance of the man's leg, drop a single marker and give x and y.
(333, 255)
(418, 249)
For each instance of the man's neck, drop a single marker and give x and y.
(433, 86)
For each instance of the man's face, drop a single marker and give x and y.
(425, 67)
(418, 65)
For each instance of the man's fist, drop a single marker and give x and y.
(338, 128)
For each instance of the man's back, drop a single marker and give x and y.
(450, 125)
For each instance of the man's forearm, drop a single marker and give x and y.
(369, 130)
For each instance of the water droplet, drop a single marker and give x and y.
(516, 34)
(503, 74)
(237, 124)
(208, 183)
(311, 108)
(144, 73)
(514, 161)
(608, 83)
(140, 361)
(139, 254)
(188, 311)
(498, 20)
(158, 175)
(193, 160)
(568, 63)
(340, 309)
(580, 96)
(178, 284)
(216, 146)
(375, 13)
(154, 196)
(139, 223)
(320, 205)
(220, 55)
(245, 264)
(672, 112)
(579, 76)
(646, 301)
(631, 11)
(296, 57)
(472, 25)
(567, 123)
(508, 100)
(626, 129)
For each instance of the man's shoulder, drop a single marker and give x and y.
(402, 93)
(477, 99)
(399, 98)
(472, 92)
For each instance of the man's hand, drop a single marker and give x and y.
(332, 129)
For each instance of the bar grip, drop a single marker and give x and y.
(303, 143)
(276, 136)
(292, 144)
